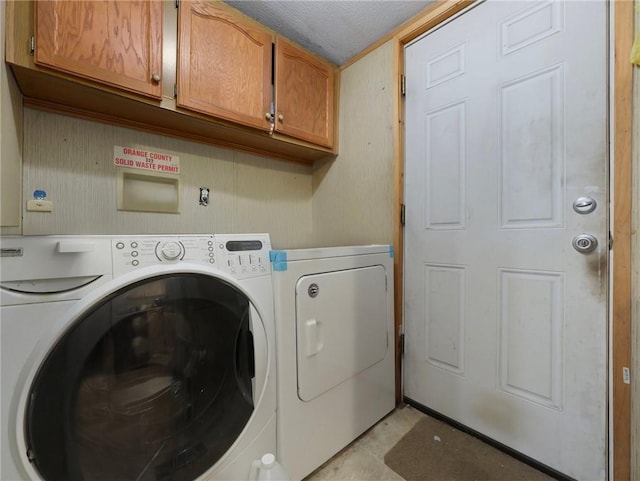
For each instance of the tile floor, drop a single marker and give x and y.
(364, 458)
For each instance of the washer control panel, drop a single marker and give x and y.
(130, 253)
(239, 255)
(243, 255)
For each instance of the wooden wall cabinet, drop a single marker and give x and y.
(112, 61)
(226, 70)
(224, 66)
(117, 43)
(304, 94)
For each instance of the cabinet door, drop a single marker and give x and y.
(304, 99)
(224, 66)
(114, 42)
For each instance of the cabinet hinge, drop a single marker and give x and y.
(401, 347)
(610, 241)
(32, 45)
(403, 85)
(175, 91)
(403, 214)
(177, 3)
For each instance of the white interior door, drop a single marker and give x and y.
(505, 321)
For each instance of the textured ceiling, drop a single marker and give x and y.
(334, 29)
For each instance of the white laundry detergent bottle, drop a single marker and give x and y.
(267, 469)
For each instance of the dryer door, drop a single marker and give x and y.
(341, 326)
(153, 382)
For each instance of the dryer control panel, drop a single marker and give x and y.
(133, 252)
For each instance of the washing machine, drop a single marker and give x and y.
(334, 349)
(136, 357)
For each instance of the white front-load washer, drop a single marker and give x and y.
(136, 357)
(335, 349)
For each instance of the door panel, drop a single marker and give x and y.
(506, 124)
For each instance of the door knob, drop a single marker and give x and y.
(585, 243)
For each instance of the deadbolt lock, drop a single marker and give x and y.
(584, 205)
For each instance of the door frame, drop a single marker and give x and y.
(620, 298)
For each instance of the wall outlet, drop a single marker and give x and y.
(37, 205)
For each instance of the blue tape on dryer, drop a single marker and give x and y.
(278, 260)
(391, 251)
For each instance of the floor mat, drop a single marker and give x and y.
(434, 451)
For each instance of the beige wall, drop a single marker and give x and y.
(353, 194)
(72, 160)
(10, 144)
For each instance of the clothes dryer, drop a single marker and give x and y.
(335, 349)
(136, 357)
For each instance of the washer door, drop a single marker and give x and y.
(154, 382)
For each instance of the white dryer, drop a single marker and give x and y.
(334, 349)
(136, 357)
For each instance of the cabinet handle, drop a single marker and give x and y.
(267, 116)
(280, 117)
(155, 77)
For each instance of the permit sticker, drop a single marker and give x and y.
(137, 158)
